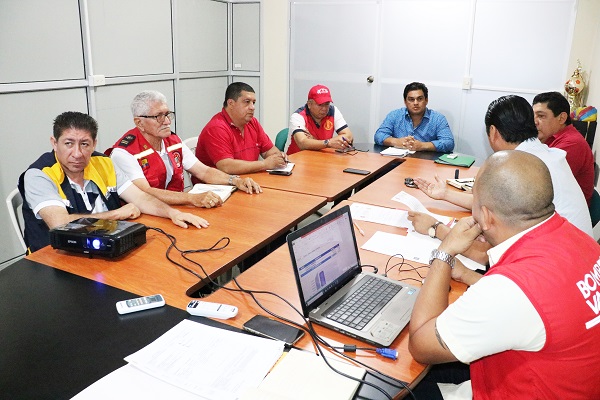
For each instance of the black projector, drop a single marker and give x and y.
(99, 237)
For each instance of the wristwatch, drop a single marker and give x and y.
(443, 256)
(231, 178)
(326, 142)
(432, 228)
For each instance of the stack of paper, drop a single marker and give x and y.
(223, 191)
(396, 152)
(206, 362)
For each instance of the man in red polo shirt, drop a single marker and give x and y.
(233, 139)
(551, 111)
(312, 125)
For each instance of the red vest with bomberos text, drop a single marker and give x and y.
(320, 132)
(152, 164)
(553, 265)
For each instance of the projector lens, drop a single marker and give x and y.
(95, 243)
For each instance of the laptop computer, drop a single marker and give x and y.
(329, 274)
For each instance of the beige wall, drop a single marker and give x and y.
(275, 112)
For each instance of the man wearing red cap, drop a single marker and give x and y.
(312, 126)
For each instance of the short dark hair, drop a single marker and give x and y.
(556, 102)
(75, 120)
(513, 117)
(416, 86)
(234, 91)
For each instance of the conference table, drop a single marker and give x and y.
(381, 191)
(250, 222)
(274, 273)
(321, 173)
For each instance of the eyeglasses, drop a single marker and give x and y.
(160, 118)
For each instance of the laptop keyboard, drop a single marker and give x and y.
(360, 306)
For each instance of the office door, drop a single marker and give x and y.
(335, 44)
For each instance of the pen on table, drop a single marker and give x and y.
(359, 229)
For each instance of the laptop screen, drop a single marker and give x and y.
(325, 256)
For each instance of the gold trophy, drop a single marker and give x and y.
(574, 88)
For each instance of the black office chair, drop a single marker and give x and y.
(587, 129)
(595, 208)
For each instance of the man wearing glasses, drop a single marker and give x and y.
(154, 157)
(74, 181)
(415, 127)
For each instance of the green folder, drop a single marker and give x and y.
(459, 161)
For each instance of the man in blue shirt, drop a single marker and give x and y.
(415, 127)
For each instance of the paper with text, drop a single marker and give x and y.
(212, 362)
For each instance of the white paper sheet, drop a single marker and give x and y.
(415, 205)
(288, 168)
(208, 361)
(380, 215)
(413, 247)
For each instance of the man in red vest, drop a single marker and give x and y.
(154, 158)
(313, 125)
(530, 327)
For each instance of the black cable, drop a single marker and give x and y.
(316, 338)
(375, 269)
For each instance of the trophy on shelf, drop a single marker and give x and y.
(574, 87)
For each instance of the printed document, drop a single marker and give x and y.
(207, 362)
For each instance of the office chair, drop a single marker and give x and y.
(187, 179)
(14, 202)
(587, 129)
(281, 139)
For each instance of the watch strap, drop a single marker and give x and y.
(442, 256)
(231, 178)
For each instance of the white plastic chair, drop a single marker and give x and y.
(187, 180)
(14, 202)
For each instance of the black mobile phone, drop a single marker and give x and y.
(357, 171)
(346, 150)
(273, 329)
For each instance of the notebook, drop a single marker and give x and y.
(458, 161)
(328, 272)
(223, 191)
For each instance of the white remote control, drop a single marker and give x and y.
(212, 310)
(140, 303)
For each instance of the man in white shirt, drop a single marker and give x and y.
(509, 123)
(154, 157)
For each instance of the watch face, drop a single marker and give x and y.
(431, 231)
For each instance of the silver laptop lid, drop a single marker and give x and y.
(324, 257)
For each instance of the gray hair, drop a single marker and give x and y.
(142, 101)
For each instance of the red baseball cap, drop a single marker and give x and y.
(320, 94)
